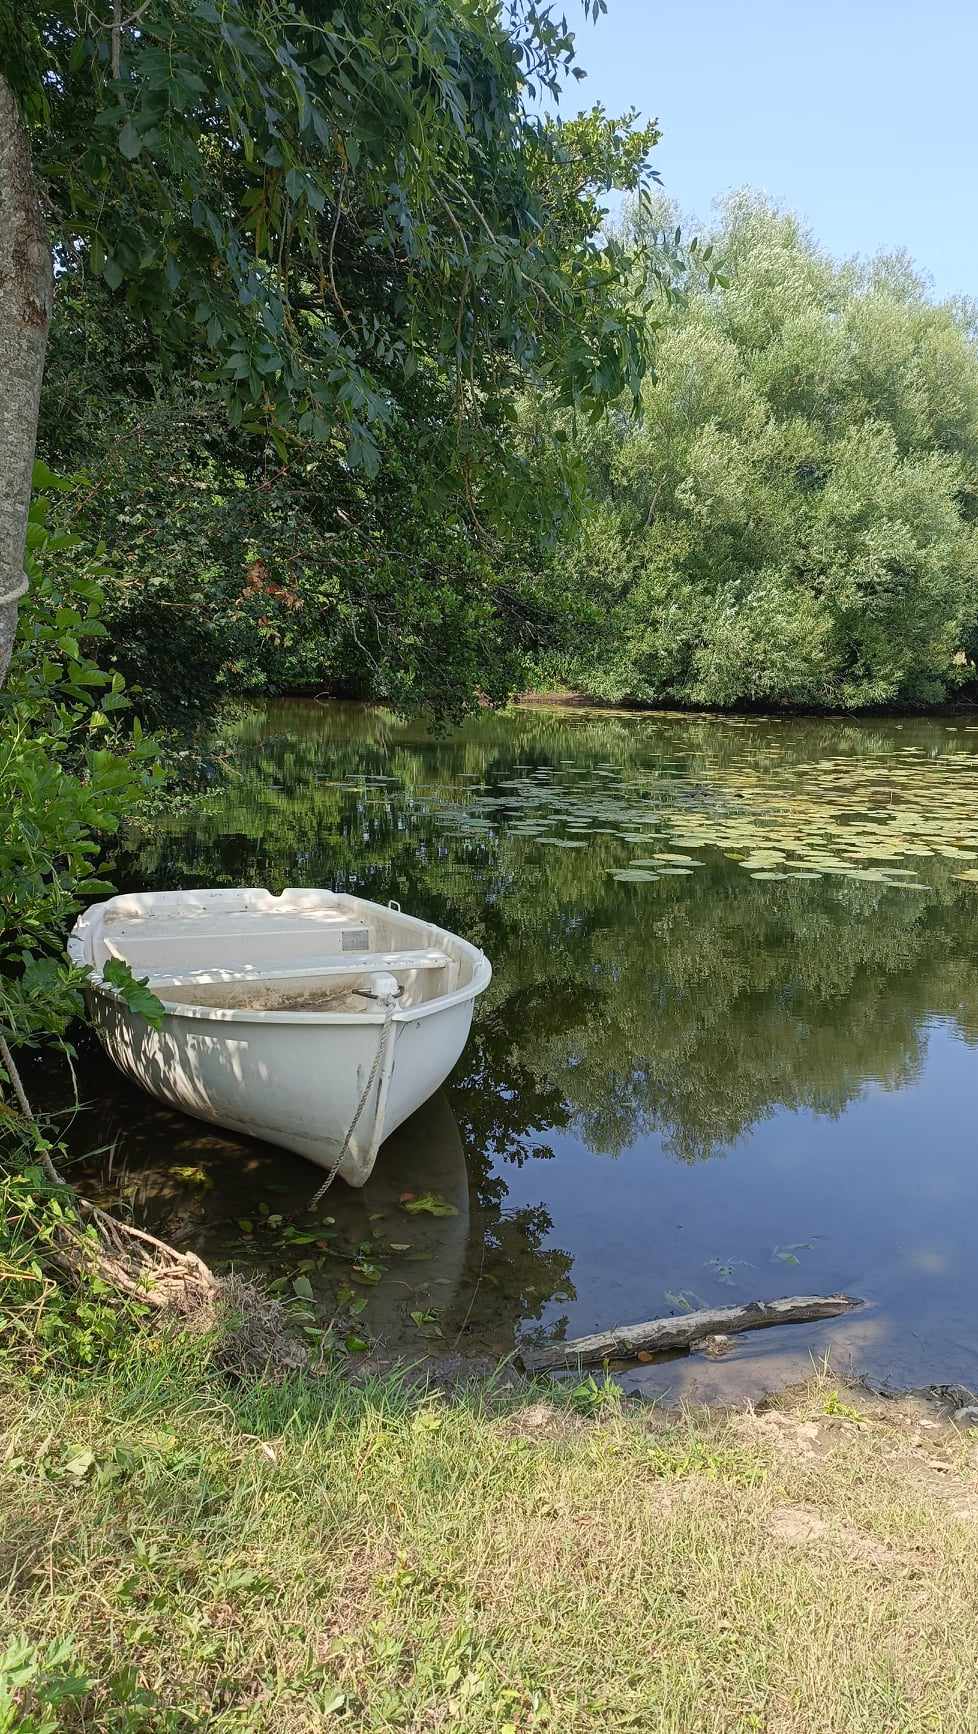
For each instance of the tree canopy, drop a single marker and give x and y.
(344, 238)
(793, 521)
(323, 201)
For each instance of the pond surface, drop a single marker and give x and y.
(729, 1050)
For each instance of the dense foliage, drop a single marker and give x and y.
(318, 204)
(793, 522)
(308, 261)
(233, 573)
(73, 762)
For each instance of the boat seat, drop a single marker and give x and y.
(350, 963)
(232, 938)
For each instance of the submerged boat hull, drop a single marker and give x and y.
(293, 1079)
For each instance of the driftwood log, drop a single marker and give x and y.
(684, 1331)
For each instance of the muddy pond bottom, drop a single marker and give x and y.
(730, 1050)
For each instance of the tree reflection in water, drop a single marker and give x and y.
(691, 1009)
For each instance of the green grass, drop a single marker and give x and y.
(309, 1556)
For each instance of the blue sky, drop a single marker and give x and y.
(861, 116)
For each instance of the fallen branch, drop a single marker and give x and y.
(137, 1264)
(624, 1342)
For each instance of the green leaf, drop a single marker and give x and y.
(130, 142)
(364, 1271)
(430, 1204)
(79, 1465)
(138, 997)
(303, 1288)
(44, 477)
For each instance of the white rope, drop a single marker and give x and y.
(15, 595)
(389, 1003)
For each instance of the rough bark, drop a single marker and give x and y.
(624, 1342)
(26, 295)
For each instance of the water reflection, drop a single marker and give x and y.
(637, 1032)
(473, 1272)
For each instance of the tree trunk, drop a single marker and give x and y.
(26, 295)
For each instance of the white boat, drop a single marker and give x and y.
(314, 1020)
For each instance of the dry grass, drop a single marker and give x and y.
(312, 1556)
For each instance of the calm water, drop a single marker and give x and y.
(729, 1049)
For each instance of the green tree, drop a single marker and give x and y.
(793, 521)
(314, 206)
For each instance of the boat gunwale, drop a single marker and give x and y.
(85, 927)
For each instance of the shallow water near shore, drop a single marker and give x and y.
(730, 1048)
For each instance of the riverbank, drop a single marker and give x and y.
(571, 698)
(314, 1554)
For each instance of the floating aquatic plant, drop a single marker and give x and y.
(848, 817)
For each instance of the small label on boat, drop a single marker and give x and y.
(355, 939)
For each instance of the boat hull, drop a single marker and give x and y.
(296, 1085)
(315, 1020)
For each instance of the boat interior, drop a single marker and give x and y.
(306, 951)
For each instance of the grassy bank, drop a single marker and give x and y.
(313, 1555)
